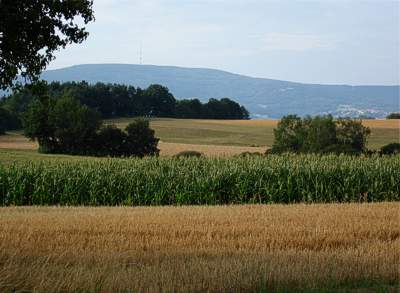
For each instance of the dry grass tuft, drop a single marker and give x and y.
(188, 249)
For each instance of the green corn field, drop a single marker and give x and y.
(172, 181)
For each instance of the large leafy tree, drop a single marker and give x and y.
(75, 125)
(289, 134)
(31, 31)
(319, 134)
(353, 133)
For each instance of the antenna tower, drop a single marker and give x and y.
(141, 55)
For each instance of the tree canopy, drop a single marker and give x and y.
(319, 134)
(66, 126)
(31, 31)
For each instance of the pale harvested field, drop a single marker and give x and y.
(18, 142)
(197, 249)
(389, 123)
(248, 132)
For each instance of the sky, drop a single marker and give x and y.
(326, 41)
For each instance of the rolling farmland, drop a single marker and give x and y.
(353, 245)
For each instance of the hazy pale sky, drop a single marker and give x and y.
(326, 41)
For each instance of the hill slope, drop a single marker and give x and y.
(263, 97)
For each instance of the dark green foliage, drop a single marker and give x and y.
(164, 181)
(111, 141)
(289, 135)
(19, 101)
(38, 124)
(213, 109)
(60, 126)
(341, 149)
(391, 149)
(8, 121)
(189, 109)
(140, 139)
(352, 133)
(75, 126)
(113, 100)
(395, 115)
(320, 134)
(66, 126)
(189, 154)
(137, 140)
(226, 108)
(31, 31)
(158, 101)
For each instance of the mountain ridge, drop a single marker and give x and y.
(265, 98)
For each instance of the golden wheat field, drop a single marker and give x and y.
(198, 249)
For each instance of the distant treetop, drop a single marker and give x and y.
(395, 115)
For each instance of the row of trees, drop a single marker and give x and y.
(66, 126)
(320, 134)
(114, 100)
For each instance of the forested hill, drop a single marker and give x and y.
(262, 97)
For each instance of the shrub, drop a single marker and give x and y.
(391, 149)
(189, 154)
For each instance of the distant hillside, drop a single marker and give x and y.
(264, 98)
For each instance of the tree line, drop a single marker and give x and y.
(116, 100)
